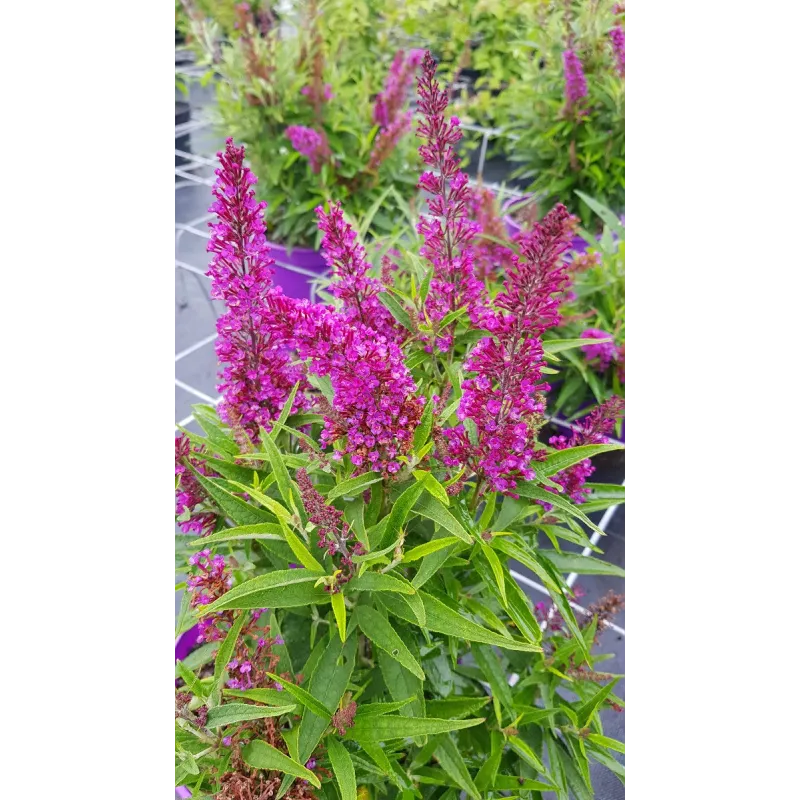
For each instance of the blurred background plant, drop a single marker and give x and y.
(566, 114)
(302, 86)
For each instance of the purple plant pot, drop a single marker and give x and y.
(296, 271)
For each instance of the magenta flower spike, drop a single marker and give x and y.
(358, 292)
(604, 353)
(502, 398)
(391, 100)
(257, 376)
(617, 36)
(311, 144)
(575, 87)
(448, 232)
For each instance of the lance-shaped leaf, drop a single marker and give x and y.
(225, 652)
(282, 588)
(261, 755)
(399, 512)
(443, 619)
(495, 675)
(302, 553)
(453, 764)
(455, 707)
(241, 512)
(340, 613)
(531, 490)
(432, 486)
(262, 530)
(585, 711)
(429, 507)
(302, 696)
(563, 459)
(273, 505)
(378, 630)
(379, 709)
(384, 729)
(378, 582)
(353, 486)
(423, 430)
(229, 713)
(584, 565)
(285, 411)
(343, 768)
(282, 479)
(430, 547)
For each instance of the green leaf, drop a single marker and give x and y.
(453, 764)
(525, 752)
(452, 317)
(284, 415)
(488, 772)
(585, 711)
(201, 656)
(562, 459)
(282, 479)
(328, 684)
(495, 675)
(526, 489)
(583, 565)
(559, 345)
(184, 621)
(337, 603)
(455, 707)
(443, 619)
(191, 681)
(239, 712)
(402, 684)
(378, 709)
(423, 430)
(354, 486)
(396, 309)
(225, 652)
(497, 570)
(270, 697)
(380, 632)
(605, 741)
(399, 512)
(430, 547)
(261, 755)
(432, 486)
(262, 530)
(302, 696)
(273, 505)
(302, 553)
(238, 510)
(284, 588)
(384, 729)
(604, 213)
(378, 582)
(343, 768)
(429, 507)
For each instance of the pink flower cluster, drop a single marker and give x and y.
(593, 429)
(448, 232)
(358, 292)
(503, 400)
(375, 407)
(603, 353)
(617, 35)
(393, 98)
(489, 256)
(189, 493)
(209, 583)
(311, 144)
(258, 377)
(574, 80)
